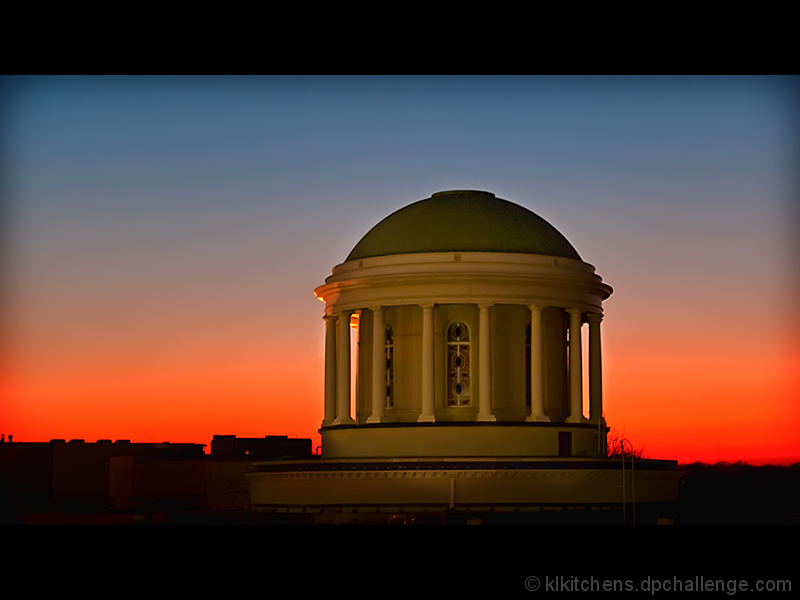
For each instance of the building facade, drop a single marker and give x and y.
(459, 333)
(484, 325)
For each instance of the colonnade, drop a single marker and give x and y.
(338, 368)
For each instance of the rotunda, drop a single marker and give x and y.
(469, 311)
(454, 379)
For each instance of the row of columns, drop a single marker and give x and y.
(337, 367)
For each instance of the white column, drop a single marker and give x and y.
(485, 364)
(378, 367)
(595, 369)
(575, 368)
(427, 415)
(330, 370)
(343, 371)
(537, 367)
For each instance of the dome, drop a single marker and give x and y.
(463, 221)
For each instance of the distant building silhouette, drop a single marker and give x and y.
(65, 475)
(117, 482)
(209, 483)
(267, 448)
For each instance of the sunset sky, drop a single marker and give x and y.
(162, 238)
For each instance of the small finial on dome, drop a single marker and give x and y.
(472, 192)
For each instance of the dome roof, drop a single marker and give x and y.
(463, 221)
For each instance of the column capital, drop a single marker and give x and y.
(485, 305)
(537, 306)
(594, 317)
(375, 308)
(427, 305)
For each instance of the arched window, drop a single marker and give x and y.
(458, 365)
(388, 347)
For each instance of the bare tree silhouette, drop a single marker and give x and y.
(620, 445)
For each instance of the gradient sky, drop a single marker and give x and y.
(163, 238)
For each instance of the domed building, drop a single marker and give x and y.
(462, 389)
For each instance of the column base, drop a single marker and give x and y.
(487, 418)
(580, 419)
(373, 419)
(426, 419)
(538, 419)
(345, 421)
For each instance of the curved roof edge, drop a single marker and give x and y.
(463, 221)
